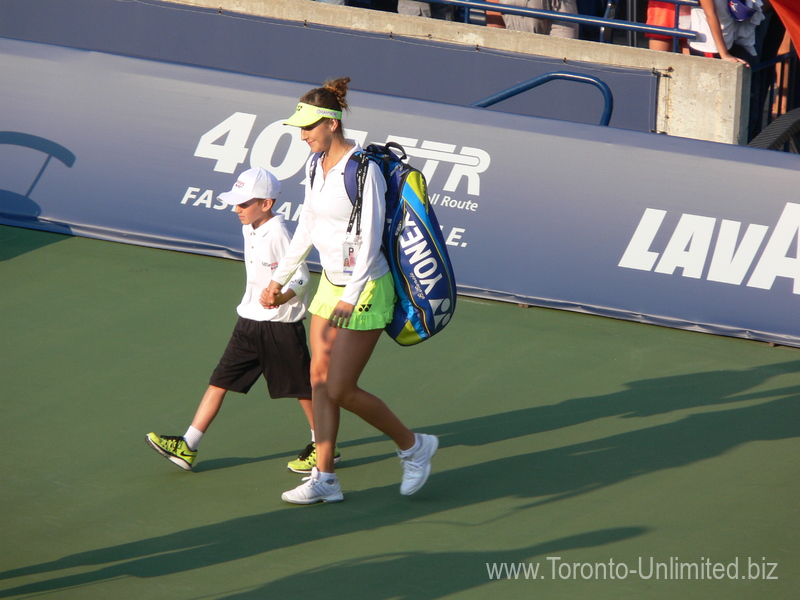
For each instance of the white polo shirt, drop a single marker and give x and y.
(263, 249)
(323, 225)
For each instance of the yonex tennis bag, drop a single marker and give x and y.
(412, 241)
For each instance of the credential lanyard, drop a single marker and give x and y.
(361, 180)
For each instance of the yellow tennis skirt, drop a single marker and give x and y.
(373, 310)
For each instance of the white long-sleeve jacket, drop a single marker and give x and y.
(323, 225)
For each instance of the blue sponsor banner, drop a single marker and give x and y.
(676, 232)
(420, 68)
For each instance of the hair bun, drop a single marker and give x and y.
(338, 87)
(331, 95)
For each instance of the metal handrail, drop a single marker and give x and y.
(767, 97)
(773, 61)
(573, 18)
(566, 75)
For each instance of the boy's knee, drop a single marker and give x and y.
(318, 376)
(317, 382)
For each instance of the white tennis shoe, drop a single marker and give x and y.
(417, 466)
(314, 490)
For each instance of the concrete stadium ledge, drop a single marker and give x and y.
(700, 98)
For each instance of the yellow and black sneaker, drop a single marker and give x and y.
(174, 448)
(307, 459)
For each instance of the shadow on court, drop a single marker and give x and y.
(644, 398)
(15, 241)
(356, 579)
(542, 477)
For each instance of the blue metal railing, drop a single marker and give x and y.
(770, 98)
(611, 9)
(565, 75)
(675, 33)
(678, 4)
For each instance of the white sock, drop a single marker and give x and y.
(313, 439)
(414, 448)
(326, 477)
(193, 437)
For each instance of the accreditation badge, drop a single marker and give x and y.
(350, 249)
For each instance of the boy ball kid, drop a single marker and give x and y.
(268, 342)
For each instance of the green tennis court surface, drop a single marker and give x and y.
(577, 448)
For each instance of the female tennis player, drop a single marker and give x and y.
(354, 301)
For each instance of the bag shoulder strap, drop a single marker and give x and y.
(350, 172)
(313, 169)
(357, 165)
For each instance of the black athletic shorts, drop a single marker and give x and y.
(278, 351)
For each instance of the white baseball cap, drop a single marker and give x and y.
(253, 183)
